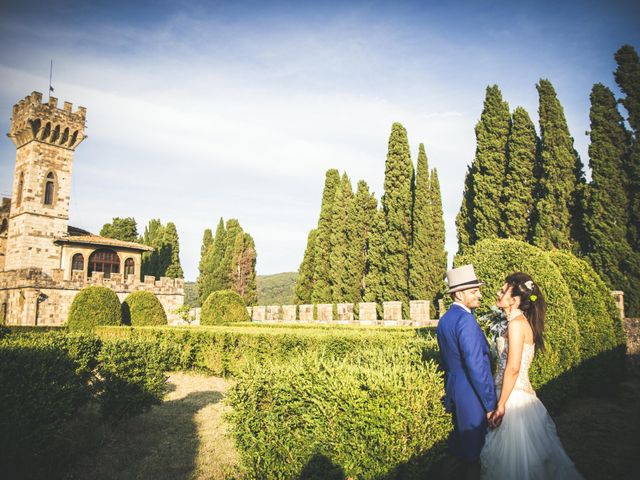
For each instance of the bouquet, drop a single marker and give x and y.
(495, 322)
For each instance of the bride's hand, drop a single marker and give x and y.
(496, 417)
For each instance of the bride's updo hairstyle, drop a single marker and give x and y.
(532, 303)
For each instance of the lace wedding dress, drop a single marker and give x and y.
(525, 445)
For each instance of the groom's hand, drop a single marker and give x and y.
(490, 419)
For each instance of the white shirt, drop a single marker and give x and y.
(463, 306)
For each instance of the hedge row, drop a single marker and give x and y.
(47, 377)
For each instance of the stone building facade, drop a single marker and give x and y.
(44, 261)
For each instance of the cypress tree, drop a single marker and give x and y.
(174, 269)
(222, 275)
(242, 275)
(151, 261)
(490, 163)
(339, 240)
(421, 254)
(207, 281)
(627, 76)
(437, 240)
(465, 226)
(304, 282)
(363, 209)
(519, 184)
(207, 245)
(374, 288)
(606, 218)
(558, 208)
(397, 203)
(322, 291)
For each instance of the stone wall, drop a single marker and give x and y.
(32, 297)
(632, 329)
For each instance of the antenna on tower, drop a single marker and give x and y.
(50, 75)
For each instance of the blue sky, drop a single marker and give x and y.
(197, 110)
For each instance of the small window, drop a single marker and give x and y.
(77, 262)
(49, 189)
(20, 187)
(129, 267)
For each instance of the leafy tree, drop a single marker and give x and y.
(558, 208)
(124, 229)
(304, 282)
(519, 184)
(363, 209)
(607, 217)
(627, 76)
(397, 204)
(339, 240)
(322, 291)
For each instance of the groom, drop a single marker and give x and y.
(469, 392)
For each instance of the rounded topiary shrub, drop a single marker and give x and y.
(143, 308)
(223, 306)
(493, 260)
(94, 306)
(598, 319)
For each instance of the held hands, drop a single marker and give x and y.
(495, 417)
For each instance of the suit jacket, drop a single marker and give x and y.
(469, 389)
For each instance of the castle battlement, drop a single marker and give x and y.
(45, 122)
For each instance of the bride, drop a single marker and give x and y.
(523, 443)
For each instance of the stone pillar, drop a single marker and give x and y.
(273, 313)
(289, 313)
(325, 312)
(419, 312)
(392, 313)
(259, 314)
(345, 312)
(306, 313)
(367, 313)
(618, 296)
(249, 309)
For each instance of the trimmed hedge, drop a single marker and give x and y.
(94, 306)
(222, 307)
(493, 260)
(143, 308)
(367, 414)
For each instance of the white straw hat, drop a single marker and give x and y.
(462, 278)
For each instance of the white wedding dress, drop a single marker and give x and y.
(526, 445)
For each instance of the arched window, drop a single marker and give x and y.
(104, 260)
(49, 189)
(77, 262)
(20, 187)
(129, 267)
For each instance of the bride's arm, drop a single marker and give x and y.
(515, 333)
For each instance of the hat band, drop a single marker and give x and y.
(470, 282)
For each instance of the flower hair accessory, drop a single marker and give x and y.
(529, 284)
(533, 297)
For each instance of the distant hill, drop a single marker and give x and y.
(276, 289)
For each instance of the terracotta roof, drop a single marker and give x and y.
(103, 241)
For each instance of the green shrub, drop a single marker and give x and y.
(493, 260)
(375, 414)
(40, 390)
(600, 325)
(224, 306)
(143, 308)
(94, 306)
(132, 380)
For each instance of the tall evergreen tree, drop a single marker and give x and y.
(363, 209)
(558, 209)
(421, 261)
(304, 282)
(209, 280)
(339, 240)
(174, 269)
(223, 274)
(375, 279)
(492, 132)
(465, 226)
(439, 255)
(606, 217)
(124, 229)
(519, 184)
(322, 291)
(152, 237)
(397, 203)
(242, 275)
(627, 76)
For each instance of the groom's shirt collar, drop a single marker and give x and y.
(463, 306)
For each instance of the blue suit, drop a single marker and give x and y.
(469, 390)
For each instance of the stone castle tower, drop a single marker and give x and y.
(45, 137)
